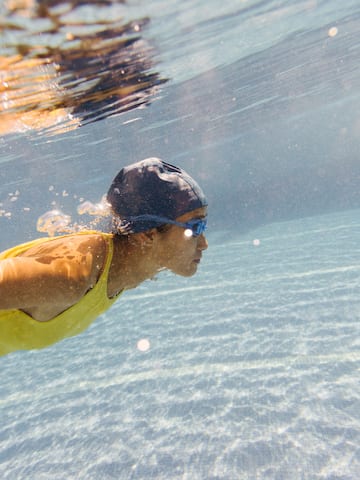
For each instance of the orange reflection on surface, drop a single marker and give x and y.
(58, 72)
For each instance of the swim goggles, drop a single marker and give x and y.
(197, 226)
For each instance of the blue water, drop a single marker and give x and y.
(252, 371)
(253, 365)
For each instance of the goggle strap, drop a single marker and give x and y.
(163, 220)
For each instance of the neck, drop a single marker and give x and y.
(131, 265)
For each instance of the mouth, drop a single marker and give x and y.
(197, 260)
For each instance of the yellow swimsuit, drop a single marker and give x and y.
(19, 331)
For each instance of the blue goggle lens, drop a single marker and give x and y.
(196, 226)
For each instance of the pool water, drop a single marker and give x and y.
(250, 369)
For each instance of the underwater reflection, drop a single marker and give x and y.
(62, 64)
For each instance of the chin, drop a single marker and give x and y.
(188, 272)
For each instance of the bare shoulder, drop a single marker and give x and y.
(78, 257)
(51, 276)
(68, 247)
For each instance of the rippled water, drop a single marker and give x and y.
(252, 370)
(254, 375)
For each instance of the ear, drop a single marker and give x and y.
(147, 238)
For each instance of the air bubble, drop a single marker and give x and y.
(332, 32)
(53, 222)
(143, 345)
(100, 209)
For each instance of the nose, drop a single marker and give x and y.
(202, 242)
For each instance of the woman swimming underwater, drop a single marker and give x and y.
(53, 288)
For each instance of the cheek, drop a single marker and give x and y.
(181, 242)
(185, 260)
(177, 247)
(180, 252)
(187, 245)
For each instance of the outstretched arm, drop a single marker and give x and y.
(26, 284)
(47, 281)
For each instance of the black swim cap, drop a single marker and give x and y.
(152, 188)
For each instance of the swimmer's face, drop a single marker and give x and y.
(180, 252)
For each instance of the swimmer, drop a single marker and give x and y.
(54, 288)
